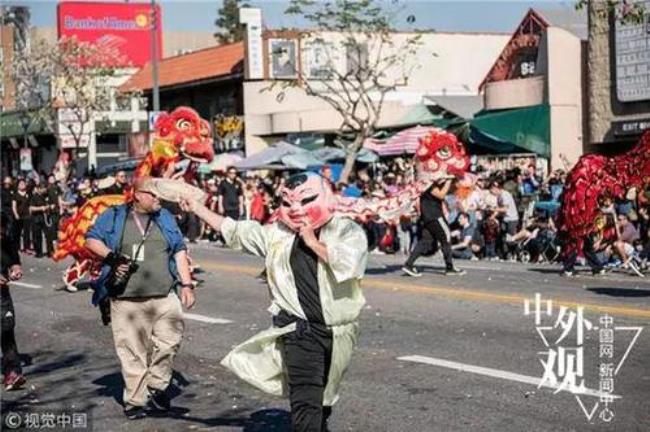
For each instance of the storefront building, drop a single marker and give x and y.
(449, 65)
(619, 80)
(208, 80)
(534, 95)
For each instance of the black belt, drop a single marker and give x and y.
(303, 327)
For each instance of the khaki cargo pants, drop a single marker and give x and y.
(147, 334)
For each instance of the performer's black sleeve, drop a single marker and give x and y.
(10, 255)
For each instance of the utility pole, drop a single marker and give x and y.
(154, 57)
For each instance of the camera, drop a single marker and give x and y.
(117, 283)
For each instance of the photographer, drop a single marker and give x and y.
(10, 271)
(137, 240)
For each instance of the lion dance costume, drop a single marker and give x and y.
(439, 155)
(593, 178)
(179, 135)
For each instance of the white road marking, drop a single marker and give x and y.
(206, 319)
(26, 285)
(495, 373)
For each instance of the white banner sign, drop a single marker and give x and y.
(252, 18)
(26, 159)
(71, 121)
(153, 116)
(68, 141)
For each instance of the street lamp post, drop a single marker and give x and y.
(25, 121)
(154, 57)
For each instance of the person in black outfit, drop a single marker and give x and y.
(6, 204)
(20, 209)
(434, 230)
(315, 262)
(231, 197)
(10, 271)
(53, 195)
(7, 195)
(308, 351)
(40, 209)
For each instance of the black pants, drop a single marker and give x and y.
(590, 256)
(24, 232)
(52, 231)
(10, 356)
(307, 354)
(434, 235)
(38, 235)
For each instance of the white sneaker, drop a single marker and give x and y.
(411, 271)
(631, 265)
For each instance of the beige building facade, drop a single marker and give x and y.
(449, 64)
(544, 65)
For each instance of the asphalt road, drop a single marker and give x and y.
(436, 353)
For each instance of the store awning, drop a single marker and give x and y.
(11, 124)
(460, 106)
(403, 142)
(515, 130)
(269, 156)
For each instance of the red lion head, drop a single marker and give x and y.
(190, 135)
(440, 155)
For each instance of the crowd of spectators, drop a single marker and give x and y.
(494, 214)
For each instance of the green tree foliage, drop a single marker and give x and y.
(229, 29)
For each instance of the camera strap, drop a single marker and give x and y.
(144, 236)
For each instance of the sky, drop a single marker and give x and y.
(447, 16)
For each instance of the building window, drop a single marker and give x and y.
(357, 59)
(122, 103)
(320, 59)
(283, 58)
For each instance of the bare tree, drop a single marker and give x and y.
(360, 61)
(66, 80)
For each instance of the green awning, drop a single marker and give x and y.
(514, 130)
(11, 124)
(420, 114)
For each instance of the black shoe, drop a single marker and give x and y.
(411, 271)
(599, 272)
(134, 412)
(159, 400)
(454, 272)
